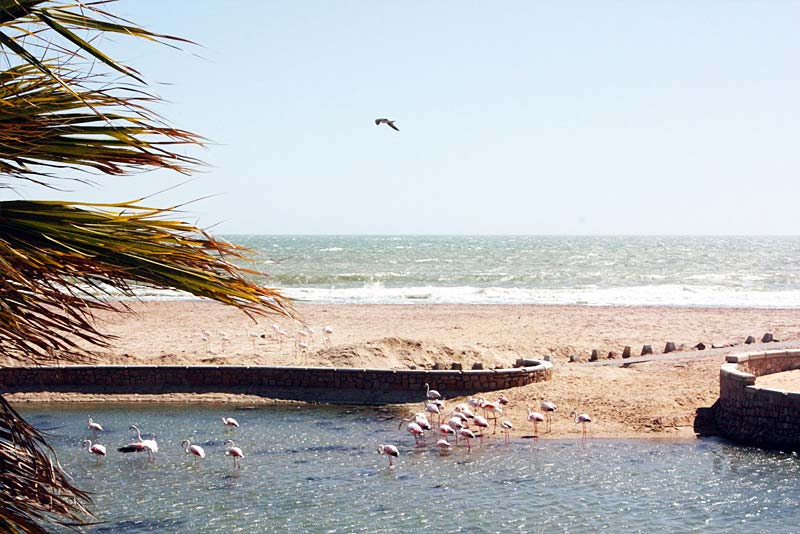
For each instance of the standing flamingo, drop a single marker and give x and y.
(535, 418)
(494, 409)
(467, 435)
(432, 409)
(147, 445)
(432, 394)
(507, 428)
(502, 400)
(415, 430)
(444, 446)
(581, 419)
(234, 452)
(94, 427)
(390, 451)
(548, 408)
(327, 332)
(205, 336)
(196, 450)
(422, 421)
(230, 422)
(96, 449)
(481, 423)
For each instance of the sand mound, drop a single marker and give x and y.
(402, 353)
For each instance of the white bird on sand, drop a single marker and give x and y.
(432, 394)
(96, 449)
(147, 445)
(94, 427)
(234, 452)
(535, 418)
(548, 408)
(581, 419)
(327, 332)
(230, 421)
(507, 428)
(390, 451)
(196, 450)
(387, 122)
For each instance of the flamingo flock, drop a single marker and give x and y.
(149, 445)
(302, 339)
(463, 422)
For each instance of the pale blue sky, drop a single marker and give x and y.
(514, 117)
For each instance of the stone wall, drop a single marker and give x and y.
(323, 384)
(759, 416)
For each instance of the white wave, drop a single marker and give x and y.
(331, 249)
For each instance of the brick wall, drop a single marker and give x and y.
(323, 384)
(759, 416)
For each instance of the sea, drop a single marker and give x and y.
(760, 272)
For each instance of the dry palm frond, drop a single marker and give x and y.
(33, 487)
(60, 259)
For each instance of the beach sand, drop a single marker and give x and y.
(657, 398)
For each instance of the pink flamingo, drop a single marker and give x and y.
(502, 400)
(507, 428)
(234, 452)
(230, 422)
(467, 435)
(481, 423)
(548, 408)
(195, 450)
(94, 427)
(535, 418)
(494, 409)
(432, 409)
(96, 449)
(390, 451)
(415, 430)
(327, 332)
(444, 446)
(422, 421)
(432, 394)
(582, 419)
(143, 445)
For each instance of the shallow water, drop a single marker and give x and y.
(315, 469)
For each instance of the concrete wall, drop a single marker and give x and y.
(323, 384)
(759, 416)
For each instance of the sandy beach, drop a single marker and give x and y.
(657, 398)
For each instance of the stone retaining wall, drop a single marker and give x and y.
(323, 384)
(759, 416)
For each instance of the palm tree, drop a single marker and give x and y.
(69, 114)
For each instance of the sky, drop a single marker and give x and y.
(515, 117)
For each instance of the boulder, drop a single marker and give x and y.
(767, 338)
(595, 355)
(750, 340)
(626, 352)
(669, 347)
(700, 346)
(439, 366)
(612, 355)
(455, 366)
(477, 366)
(647, 349)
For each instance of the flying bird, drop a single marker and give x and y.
(389, 123)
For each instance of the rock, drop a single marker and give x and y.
(477, 366)
(573, 358)
(595, 355)
(548, 358)
(612, 355)
(438, 366)
(750, 340)
(626, 352)
(519, 363)
(412, 367)
(455, 366)
(647, 349)
(669, 347)
(767, 338)
(700, 346)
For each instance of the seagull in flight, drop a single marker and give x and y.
(388, 122)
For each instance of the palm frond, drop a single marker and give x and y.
(33, 487)
(61, 260)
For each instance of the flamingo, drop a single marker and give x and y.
(535, 418)
(548, 408)
(234, 452)
(467, 434)
(253, 337)
(196, 450)
(230, 421)
(327, 332)
(94, 427)
(225, 339)
(581, 419)
(432, 408)
(474, 403)
(492, 408)
(96, 449)
(303, 351)
(446, 430)
(206, 337)
(390, 451)
(432, 394)
(502, 400)
(148, 445)
(481, 423)
(444, 446)
(507, 428)
(422, 421)
(415, 430)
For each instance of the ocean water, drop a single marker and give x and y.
(315, 469)
(666, 271)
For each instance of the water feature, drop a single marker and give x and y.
(315, 469)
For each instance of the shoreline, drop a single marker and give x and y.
(654, 398)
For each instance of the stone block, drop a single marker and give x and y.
(647, 349)
(669, 347)
(626, 352)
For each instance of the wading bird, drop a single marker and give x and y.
(494, 409)
(467, 435)
(444, 446)
(581, 419)
(234, 452)
(96, 449)
(195, 450)
(143, 445)
(387, 122)
(415, 430)
(94, 427)
(327, 332)
(535, 418)
(507, 428)
(230, 421)
(548, 408)
(390, 451)
(431, 394)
